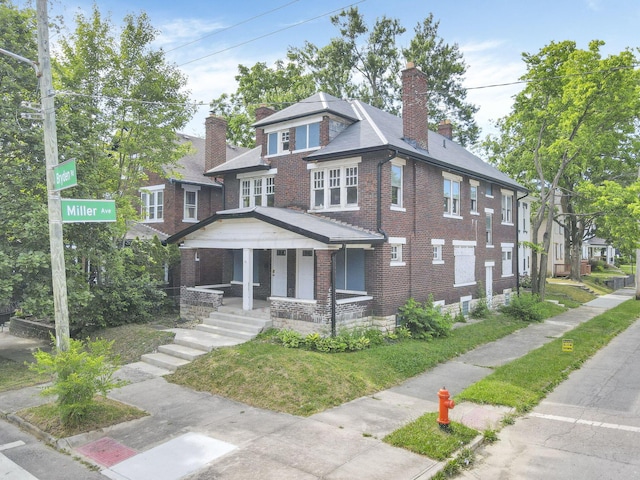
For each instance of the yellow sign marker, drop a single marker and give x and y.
(567, 345)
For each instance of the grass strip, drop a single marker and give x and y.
(426, 437)
(300, 382)
(15, 375)
(523, 383)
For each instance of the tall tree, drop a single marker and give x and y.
(362, 62)
(574, 123)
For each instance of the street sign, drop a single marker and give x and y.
(567, 345)
(65, 175)
(77, 211)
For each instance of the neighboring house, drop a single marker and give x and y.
(182, 197)
(524, 235)
(342, 212)
(598, 249)
(557, 264)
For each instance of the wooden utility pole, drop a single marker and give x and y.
(637, 263)
(58, 271)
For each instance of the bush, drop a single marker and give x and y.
(424, 320)
(347, 341)
(78, 374)
(525, 307)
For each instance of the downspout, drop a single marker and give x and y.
(379, 199)
(517, 243)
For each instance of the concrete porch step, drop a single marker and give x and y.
(231, 331)
(163, 360)
(238, 319)
(202, 340)
(181, 351)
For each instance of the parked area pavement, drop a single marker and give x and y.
(194, 435)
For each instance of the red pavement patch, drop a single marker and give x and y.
(106, 451)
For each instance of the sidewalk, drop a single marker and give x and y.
(196, 435)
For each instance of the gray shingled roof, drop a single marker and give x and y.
(143, 232)
(313, 226)
(318, 103)
(249, 160)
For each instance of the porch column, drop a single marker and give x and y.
(247, 279)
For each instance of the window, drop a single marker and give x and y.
(308, 136)
(489, 228)
(152, 203)
(451, 197)
(350, 269)
(190, 213)
(473, 195)
(465, 263)
(437, 251)
(255, 192)
(334, 188)
(396, 251)
(507, 207)
(507, 260)
(237, 266)
(396, 185)
(278, 142)
(489, 190)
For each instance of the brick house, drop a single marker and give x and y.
(181, 197)
(342, 212)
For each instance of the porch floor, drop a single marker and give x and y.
(261, 308)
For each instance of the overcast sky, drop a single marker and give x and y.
(209, 39)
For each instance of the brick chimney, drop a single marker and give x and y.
(262, 112)
(215, 143)
(446, 129)
(415, 113)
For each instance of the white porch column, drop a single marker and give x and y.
(247, 279)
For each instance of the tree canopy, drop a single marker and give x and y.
(575, 123)
(362, 62)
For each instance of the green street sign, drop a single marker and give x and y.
(76, 211)
(65, 175)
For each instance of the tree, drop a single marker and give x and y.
(118, 107)
(362, 62)
(573, 124)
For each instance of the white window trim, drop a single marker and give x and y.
(507, 193)
(507, 247)
(466, 298)
(152, 190)
(190, 188)
(438, 242)
(489, 211)
(252, 177)
(342, 164)
(476, 184)
(400, 162)
(465, 243)
(454, 178)
(308, 149)
(398, 241)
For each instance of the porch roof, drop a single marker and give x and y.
(312, 226)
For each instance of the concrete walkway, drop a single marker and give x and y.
(234, 441)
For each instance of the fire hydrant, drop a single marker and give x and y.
(445, 405)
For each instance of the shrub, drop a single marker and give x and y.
(290, 338)
(481, 307)
(79, 374)
(525, 307)
(424, 320)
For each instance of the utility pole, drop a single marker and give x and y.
(637, 262)
(58, 271)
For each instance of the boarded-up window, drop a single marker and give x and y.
(465, 264)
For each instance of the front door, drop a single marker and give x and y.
(279, 273)
(305, 278)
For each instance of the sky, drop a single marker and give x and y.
(208, 39)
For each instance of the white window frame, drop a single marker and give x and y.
(399, 205)
(459, 245)
(473, 196)
(437, 244)
(324, 179)
(488, 232)
(306, 128)
(252, 186)
(282, 138)
(147, 207)
(396, 244)
(507, 207)
(466, 300)
(507, 263)
(185, 210)
(451, 201)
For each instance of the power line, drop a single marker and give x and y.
(271, 33)
(232, 26)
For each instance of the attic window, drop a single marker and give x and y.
(278, 142)
(308, 136)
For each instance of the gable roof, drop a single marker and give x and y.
(318, 103)
(322, 229)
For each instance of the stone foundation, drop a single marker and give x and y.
(198, 303)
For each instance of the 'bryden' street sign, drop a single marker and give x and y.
(76, 211)
(64, 175)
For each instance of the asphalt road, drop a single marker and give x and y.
(587, 428)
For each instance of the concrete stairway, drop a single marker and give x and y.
(223, 328)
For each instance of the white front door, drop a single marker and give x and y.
(305, 278)
(489, 282)
(279, 273)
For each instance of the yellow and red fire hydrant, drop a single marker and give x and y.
(445, 405)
